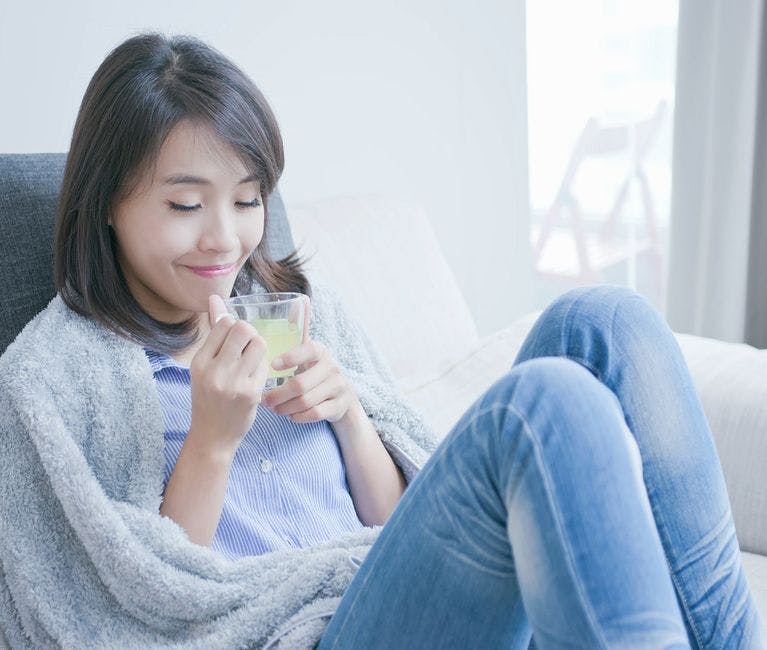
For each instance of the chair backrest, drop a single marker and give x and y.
(601, 137)
(29, 189)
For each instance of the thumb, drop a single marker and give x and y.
(216, 309)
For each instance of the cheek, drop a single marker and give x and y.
(153, 247)
(175, 243)
(252, 233)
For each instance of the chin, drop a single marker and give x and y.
(223, 289)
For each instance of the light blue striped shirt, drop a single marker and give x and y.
(287, 484)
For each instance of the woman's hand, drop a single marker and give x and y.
(319, 392)
(228, 375)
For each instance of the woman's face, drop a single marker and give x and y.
(189, 226)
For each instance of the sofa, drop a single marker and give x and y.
(382, 255)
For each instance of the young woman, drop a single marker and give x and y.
(155, 495)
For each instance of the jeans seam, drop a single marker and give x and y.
(567, 330)
(682, 598)
(532, 438)
(582, 362)
(567, 327)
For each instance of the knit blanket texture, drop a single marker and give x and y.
(87, 561)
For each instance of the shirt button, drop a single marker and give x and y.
(266, 466)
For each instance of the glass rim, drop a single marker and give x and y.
(253, 298)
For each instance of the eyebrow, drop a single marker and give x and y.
(178, 179)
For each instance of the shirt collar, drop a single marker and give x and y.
(159, 360)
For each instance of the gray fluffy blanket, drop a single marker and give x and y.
(86, 560)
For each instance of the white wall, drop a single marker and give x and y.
(422, 99)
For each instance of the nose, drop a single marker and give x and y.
(219, 233)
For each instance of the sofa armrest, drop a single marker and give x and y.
(444, 395)
(731, 380)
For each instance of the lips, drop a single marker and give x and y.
(212, 271)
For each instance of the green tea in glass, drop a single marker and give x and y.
(279, 319)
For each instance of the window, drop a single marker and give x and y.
(600, 114)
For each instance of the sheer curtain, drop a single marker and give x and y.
(717, 283)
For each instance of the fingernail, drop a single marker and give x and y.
(220, 316)
(278, 363)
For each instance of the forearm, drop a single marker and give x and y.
(196, 488)
(375, 482)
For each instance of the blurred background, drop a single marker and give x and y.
(551, 143)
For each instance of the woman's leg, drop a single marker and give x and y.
(531, 514)
(625, 344)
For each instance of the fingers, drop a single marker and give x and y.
(302, 384)
(254, 358)
(216, 308)
(328, 388)
(301, 355)
(240, 334)
(218, 331)
(228, 336)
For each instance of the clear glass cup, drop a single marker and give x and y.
(279, 319)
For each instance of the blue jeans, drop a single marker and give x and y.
(579, 500)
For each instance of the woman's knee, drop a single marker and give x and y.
(600, 303)
(557, 397)
(551, 411)
(586, 322)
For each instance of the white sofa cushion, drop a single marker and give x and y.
(445, 397)
(383, 258)
(756, 573)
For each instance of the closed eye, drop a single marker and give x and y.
(248, 204)
(183, 208)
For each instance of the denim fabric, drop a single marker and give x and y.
(579, 499)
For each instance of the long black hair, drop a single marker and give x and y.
(143, 88)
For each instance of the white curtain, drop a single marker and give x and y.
(718, 237)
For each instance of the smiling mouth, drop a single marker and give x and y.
(212, 271)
